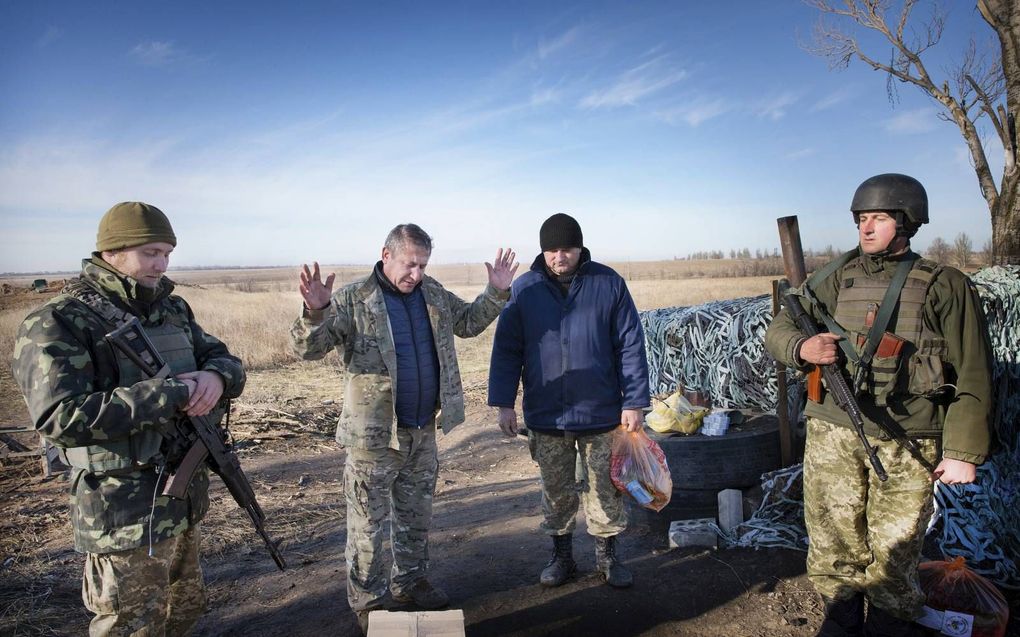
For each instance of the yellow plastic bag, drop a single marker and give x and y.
(675, 414)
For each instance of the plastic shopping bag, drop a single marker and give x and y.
(675, 414)
(638, 467)
(959, 599)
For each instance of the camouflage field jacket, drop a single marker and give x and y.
(70, 378)
(952, 311)
(356, 324)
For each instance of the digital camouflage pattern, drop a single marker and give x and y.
(133, 593)
(952, 312)
(381, 483)
(77, 398)
(865, 534)
(355, 323)
(560, 459)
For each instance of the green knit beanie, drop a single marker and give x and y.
(131, 224)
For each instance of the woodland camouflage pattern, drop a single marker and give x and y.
(71, 383)
(355, 323)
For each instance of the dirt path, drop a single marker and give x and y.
(487, 552)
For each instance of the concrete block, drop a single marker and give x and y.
(731, 508)
(444, 623)
(697, 532)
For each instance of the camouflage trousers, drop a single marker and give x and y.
(865, 535)
(132, 593)
(398, 484)
(575, 468)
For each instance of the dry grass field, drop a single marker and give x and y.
(252, 309)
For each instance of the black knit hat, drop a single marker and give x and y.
(560, 231)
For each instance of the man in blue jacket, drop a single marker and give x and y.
(572, 330)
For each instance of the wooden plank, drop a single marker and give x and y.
(446, 623)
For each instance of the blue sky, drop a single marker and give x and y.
(276, 133)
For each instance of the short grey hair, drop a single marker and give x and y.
(408, 233)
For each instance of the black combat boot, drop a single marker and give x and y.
(843, 617)
(881, 624)
(614, 573)
(562, 565)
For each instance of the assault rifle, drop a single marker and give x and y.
(209, 446)
(836, 383)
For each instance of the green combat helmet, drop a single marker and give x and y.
(893, 192)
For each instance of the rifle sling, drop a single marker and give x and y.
(889, 304)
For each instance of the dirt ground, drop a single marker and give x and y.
(485, 547)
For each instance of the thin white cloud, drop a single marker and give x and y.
(157, 53)
(547, 48)
(775, 107)
(695, 113)
(919, 120)
(832, 99)
(635, 84)
(546, 95)
(49, 36)
(800, 153)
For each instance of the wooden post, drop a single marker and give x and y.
(793, 254)
(782, 401)
(793, 264)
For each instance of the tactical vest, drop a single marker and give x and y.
(141, 449)
(917, 369)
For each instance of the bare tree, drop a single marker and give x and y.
(987, 255)
(975, 88)
(963, 249)
(939, 250)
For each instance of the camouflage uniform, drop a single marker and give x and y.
(866, 536)
(389, 468)
(561, 481)
(113, 428)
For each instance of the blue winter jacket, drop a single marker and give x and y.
(582, 356)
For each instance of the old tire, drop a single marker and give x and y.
(733, 461)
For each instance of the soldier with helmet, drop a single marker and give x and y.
(116, 428)
(911, 338)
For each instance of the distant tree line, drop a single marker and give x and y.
(960, 252)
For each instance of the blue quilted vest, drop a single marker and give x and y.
(417, 391)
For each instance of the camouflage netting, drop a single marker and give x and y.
(718, 348)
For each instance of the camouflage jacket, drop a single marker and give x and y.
(952, 312)
(70, 378)
(356, 324)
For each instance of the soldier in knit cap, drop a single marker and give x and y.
(572, 331)
(116, 428)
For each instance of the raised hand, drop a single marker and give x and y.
(315, 293)
(502, 274)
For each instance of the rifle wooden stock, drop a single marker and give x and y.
(132, 341)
